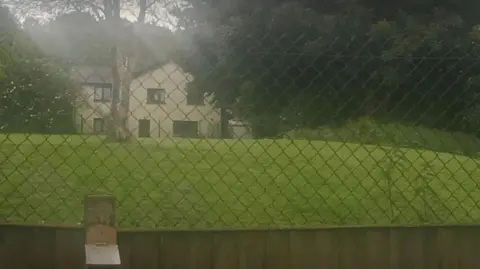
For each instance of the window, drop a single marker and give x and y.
(102, 92)
(186, 129)
(98, 126)
(195, 98)
(155, 96)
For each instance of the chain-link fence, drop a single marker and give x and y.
(318, 119)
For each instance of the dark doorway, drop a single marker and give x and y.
(98, 126)
(143, 128)
(185, 129)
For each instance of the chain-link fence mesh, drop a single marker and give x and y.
(301, 119)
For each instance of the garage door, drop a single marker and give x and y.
(186, 129)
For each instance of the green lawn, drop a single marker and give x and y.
(250, 183)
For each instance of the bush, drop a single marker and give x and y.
(35, 93)
(367, 131)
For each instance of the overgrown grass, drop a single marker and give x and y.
(408, 136)
(229, 183)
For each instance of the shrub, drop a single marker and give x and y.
(367, 131)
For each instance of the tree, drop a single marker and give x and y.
(123, 50)
(33, 94)
(310, 63)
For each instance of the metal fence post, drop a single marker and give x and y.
(101, 248)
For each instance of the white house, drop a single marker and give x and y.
(160, 105)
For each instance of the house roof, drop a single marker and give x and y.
(92, 74)
(147, 68)
(103, 74)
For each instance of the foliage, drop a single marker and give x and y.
(324, 62)
(301, 64)
(80, 38)
(367, 131)
(35, 94)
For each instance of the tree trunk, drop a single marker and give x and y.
(123, 66)
(126, 66)
(116, 123)
(125, 91)
(117, 129)
(143, 11)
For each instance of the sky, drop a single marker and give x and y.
(163, 18)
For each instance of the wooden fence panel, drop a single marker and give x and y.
(200, 250)
(277, 254)
(406, 249)
(252, 250)
(431, 248)
(327, 248)
(43, 246)
(225, 250)
(468, 244)
(350, 248)
(20, 243)
(302, 250)
(70, 249)
(174, 251)
(125, 243)
(3, 247)
(455, 247)
(377, 248)
(448, 251)
(144, 250)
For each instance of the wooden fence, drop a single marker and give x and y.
(452, 247)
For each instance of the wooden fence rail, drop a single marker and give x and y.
(452, 247)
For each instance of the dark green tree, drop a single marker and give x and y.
(35, 95)
(294, 64)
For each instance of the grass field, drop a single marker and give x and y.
(249, 183)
